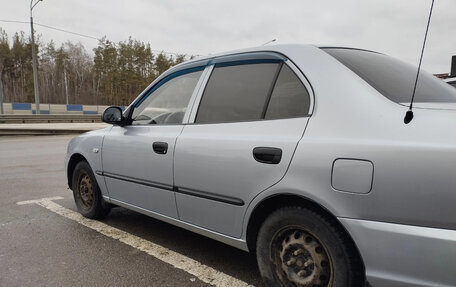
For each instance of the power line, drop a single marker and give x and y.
(66, 31)
(13, 21)
(53, 28)
(79, 34)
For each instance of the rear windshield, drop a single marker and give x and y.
(393, 78)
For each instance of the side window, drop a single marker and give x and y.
(289, 99)
(168, 103)
(236, 93)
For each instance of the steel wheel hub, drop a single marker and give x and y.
(86, 190)
(302, 260)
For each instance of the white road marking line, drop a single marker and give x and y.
(37, 201)
(202, 272)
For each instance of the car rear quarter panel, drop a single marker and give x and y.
(414, 173)
(414, 165)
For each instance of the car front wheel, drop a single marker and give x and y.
(298, 247)
(87, 194)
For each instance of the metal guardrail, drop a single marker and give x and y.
(63, 118)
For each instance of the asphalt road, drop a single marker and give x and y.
(41, 248)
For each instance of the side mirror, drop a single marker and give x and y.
(113, 115)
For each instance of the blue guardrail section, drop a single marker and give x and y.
(74, 108)
(21, 106)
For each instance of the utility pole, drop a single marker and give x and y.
(1, 90)
(66, 85)
(35, 72)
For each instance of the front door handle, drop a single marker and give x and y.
(160, 147)
(269, 155)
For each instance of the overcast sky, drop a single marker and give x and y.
(201, 27)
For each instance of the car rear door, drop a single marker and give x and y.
(138, 158)
(240, 139)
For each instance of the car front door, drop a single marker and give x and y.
(240, 140)
(138, 158)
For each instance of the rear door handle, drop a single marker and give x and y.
(269, 155)
(160, 147)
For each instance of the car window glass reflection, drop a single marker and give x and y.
(167, 104)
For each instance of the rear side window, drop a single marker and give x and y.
(393, 78)
(236, 93)
(242, 93)
(289, 98)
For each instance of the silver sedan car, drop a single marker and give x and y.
(297, 153)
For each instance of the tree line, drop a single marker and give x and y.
(114, 75)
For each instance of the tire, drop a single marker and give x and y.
(87, 194)
(298, 247)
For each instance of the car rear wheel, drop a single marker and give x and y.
(87, 194)
(297, 247)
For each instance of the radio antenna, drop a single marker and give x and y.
(409, 115)
(268, 42)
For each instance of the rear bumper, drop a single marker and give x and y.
(397, 255)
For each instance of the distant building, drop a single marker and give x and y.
(453, 67)
(452, 73)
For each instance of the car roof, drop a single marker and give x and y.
(282, 49)
(278, 48)
(269, 48)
